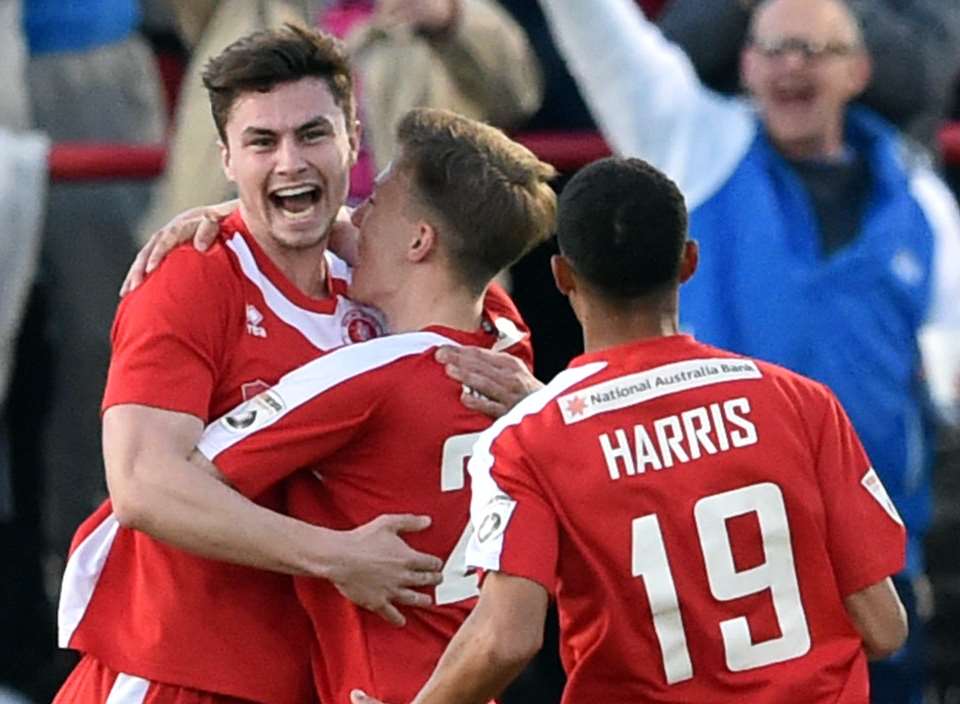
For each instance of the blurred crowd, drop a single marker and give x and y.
(666, 86)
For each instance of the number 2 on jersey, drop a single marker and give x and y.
(777, 574)
(457, 584)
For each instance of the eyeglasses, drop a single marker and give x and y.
(809, 50)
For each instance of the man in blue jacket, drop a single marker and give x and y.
(826, 244)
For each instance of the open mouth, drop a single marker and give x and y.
(798, 96)
(296, 202)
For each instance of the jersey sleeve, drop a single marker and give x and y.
(169, 336)
(512, 331)
(311, 412)
(865, 534)
(307, 416)
(515, 528)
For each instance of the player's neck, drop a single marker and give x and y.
(421, 304)
(305, 268)
(605, 326)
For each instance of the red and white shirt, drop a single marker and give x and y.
(369, 429)
(700, 518)
(203, 333)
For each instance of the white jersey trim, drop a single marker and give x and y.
(490, 506)
(309, 381)
(81, 576)
(128, 689)
(323, 330)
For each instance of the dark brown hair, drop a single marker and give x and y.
(490, 194)
(265, 59)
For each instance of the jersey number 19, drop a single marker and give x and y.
(777, 573)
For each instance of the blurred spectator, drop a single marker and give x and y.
(469, 56)
(91, 78)
(26, 617)
(826, 243)
(914, 44)
(465, 55)
(14, 100)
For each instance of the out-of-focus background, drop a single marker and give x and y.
(105, 134)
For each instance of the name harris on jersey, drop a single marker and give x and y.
(677, 438)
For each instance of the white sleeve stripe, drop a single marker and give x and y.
(940, 208)
(484, 488)
(309, 381)
(323, 330)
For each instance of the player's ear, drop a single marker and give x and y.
(424, 242)
(354, 136)
(563, 275)
(225, 161)
(689, 260)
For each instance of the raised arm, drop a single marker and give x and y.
(158, 485)
(645, 95)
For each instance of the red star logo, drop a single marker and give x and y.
(576, 406)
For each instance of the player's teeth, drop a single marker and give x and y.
(296, 191)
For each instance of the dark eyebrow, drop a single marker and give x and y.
(319, 121)
(258, 132)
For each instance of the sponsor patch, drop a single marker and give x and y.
(255, 413)
(871, 482)
(496, 515)
(669, 379)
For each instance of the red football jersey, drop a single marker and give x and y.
(370, 429)
(700, 518)
(203, 333)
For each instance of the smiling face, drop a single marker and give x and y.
(289, 151)
(803, 65)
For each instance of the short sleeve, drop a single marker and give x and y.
(311, 412)
(294, 425)
(865, 535)
(515, 527)
(169, 336)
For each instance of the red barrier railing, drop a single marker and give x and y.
(950, 143)
(567, 151)
(81, 161)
